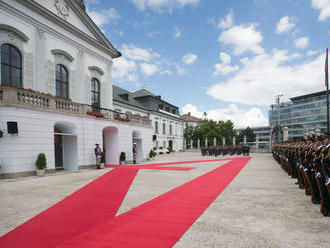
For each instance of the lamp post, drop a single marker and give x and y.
(278, 99)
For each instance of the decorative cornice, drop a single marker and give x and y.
(97, 69)
(101, 44)
(63, 53)
(84, 17)
(17, 32)
(62, 8)
(38, 24)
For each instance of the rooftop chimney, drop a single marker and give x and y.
(145, 87)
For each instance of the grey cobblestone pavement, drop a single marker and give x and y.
(261, 207)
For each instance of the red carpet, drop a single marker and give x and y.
(85, 219)
(91, 205)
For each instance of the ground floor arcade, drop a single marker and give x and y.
(66, 140)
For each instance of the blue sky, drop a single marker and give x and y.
(224, 57)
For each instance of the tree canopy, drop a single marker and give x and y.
(249, 133)
(211, 129)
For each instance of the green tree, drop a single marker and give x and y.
(211, 129)
(226, 130)
(189, 132)
(207, 130)
(249, 133)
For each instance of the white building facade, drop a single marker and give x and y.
(168, 126)
(56, 88)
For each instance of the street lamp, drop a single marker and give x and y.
(278, 99)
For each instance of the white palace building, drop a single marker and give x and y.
(56, 94)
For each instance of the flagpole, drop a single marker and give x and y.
(327, 82)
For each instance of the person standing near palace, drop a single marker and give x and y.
(134, 153)
(98, 155)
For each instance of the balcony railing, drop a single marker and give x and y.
(18, 97)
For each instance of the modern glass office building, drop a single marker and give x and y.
(301, 114)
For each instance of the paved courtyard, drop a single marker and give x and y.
(261, 207)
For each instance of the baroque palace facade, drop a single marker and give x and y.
(167, 123)
(56, 90)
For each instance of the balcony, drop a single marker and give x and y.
(27, 98)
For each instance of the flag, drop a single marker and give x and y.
(326, 69)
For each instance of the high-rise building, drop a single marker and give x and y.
(301, 114)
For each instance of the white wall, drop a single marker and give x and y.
(36, 134)
(177, 126)
(177, 131)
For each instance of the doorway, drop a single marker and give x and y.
(137, 139)
(170, 144)
(58, 144)
(110, 145)
(65, 146)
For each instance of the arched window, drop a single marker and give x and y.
(62, 82)
(95, 87)
(11, 66)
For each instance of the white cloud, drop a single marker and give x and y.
(189, 58)
(224, 69)
(119, 32)
(225, 58)
(265, 75)
(324, 7)
(242, 39)
(285, 24)
(149, 69)
(124, 69)
(189, 108)
(136, 53)
(301, 42)
(177, 32)
(180, 70)
(163, 5)
(152, 34)
(226, 22)
(241, 118)
(136, 62)
(313, 52)
(104, 16)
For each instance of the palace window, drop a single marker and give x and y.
(11, 66)
(95, 94)
(170, 129)
(62, 82)
(164, 128)
(156, 126)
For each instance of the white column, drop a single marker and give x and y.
(244, 140)
(285, 133)
(234, 141)
(206, 142)
(198, 144)
(214, 141)
(223, 141)
(80, 95)
(40, 56)
(257, 143)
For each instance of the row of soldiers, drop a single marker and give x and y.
(308, 161)
(225, 150)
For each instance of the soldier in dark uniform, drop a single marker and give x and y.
(320, 176)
